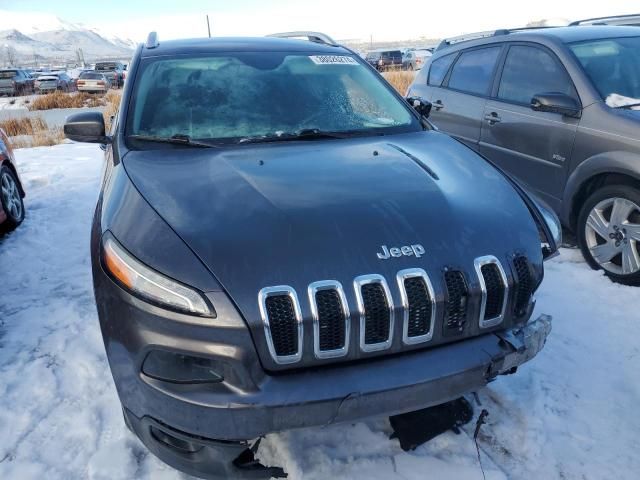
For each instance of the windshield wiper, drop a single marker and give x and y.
(177, 139)
(305, 134)
(628, 105)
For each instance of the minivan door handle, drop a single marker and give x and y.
(438, 105)
(492, 118)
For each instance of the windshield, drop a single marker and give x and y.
(8, 74)
(91, 76)
(244, 96)
(105, 67)
(613, 65)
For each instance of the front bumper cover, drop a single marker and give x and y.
(382, 387)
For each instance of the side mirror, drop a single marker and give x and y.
(556, 103)
(422, 106)
(86, 127)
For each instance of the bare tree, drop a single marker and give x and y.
(11, 55)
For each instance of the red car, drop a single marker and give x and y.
(11, 190)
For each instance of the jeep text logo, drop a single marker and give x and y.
(407, 251)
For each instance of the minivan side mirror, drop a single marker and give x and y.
(86, 127)
(556, 103)
(422, 106)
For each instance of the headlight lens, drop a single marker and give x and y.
(149, 284)
(553, 224)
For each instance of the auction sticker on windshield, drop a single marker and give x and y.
(333, 60)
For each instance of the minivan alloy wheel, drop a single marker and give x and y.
(11, 196)
(612, 235)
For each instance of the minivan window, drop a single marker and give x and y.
(439, 69)
(473, 71)
(233, 98)
(8, 74)
(529, 71)
(613, 65)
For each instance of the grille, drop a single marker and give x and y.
(376, 313)
(456, 306)
(331, 326)
(419, 315)
(282, 324)
(495, 290)
(524, 286)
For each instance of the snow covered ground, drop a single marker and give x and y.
(569, 414)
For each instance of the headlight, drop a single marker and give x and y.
(553, 226)
(149, 284)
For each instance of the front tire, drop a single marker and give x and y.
(11, 199)
(608, 232)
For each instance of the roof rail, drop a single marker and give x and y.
(447, 42)
(612, 20)
(316, 37)
(152, 40)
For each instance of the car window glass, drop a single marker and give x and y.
(613, 65)
(473, 71)
(439, 69)
(529, 71)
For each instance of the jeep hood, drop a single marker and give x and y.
(296, 212)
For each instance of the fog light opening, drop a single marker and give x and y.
(179, 368)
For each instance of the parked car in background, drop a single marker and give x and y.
(14, 81)
(56, 81)
(401, 265)
(620, 20)
(415, 59)
(385, 59)
(93, 82)
(557, 108)
(114, 71)
(11, 189)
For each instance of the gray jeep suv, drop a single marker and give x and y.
(281, 241)
(557, 108)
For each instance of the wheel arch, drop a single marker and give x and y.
(611, 168)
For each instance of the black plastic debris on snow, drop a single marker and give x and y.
(415, 428)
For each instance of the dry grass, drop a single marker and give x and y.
(31, 132)
(400, 80)
(67, 100)
(44, 138)
(112, 105)
(23, 126)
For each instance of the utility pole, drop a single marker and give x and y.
(208, 26)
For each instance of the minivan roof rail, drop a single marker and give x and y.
(447, 42)
(152, 40)
(316, 37)
(611, 20)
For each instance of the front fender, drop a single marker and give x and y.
(619, 162)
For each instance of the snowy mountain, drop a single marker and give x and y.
(44, 36)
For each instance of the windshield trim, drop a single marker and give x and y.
(417, 123)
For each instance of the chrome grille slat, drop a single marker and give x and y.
(419, 305)
(494, 288)
(374, 316)
(289, 306)
(329, 325)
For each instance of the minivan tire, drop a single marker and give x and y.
(600, 197)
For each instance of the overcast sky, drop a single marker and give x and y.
(342, 19)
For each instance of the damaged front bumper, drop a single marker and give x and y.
(313, 397)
